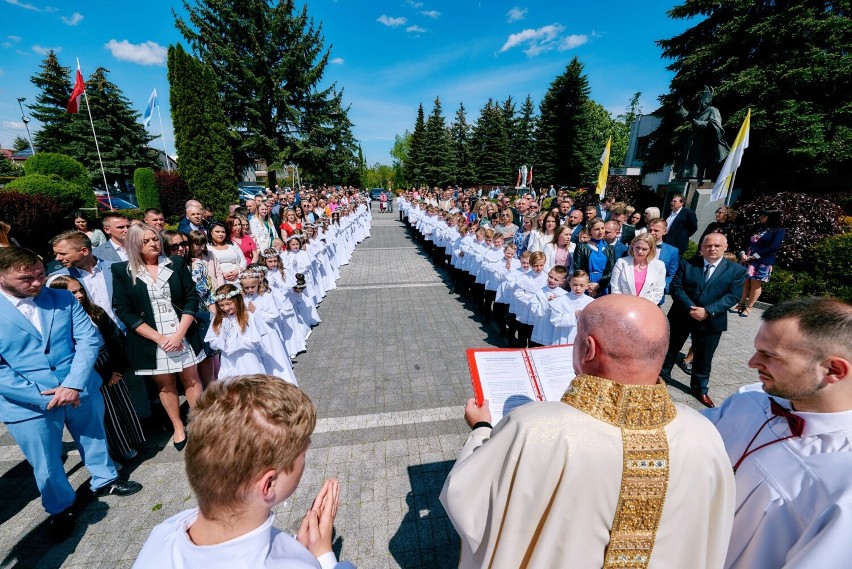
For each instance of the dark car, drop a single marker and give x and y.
(376, 193)
(117, 203)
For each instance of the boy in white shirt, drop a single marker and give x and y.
(564, 310)
(542, 333)
(246, 453)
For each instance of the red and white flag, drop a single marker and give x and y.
(77, 92)
(529, 178)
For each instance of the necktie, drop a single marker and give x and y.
(795, 422)
(707, 271)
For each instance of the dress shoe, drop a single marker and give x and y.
(180, 446)
(685, 367)
(117, 488)
(61, 525)
(705, 399)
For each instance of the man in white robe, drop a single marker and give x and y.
(794, 495)
(614, 475)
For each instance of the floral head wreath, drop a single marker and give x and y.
(251, 275)
(272, 255)
(228, 295)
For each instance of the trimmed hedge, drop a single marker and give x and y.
(31, 217)
(146, 188)
(173, 194)
(64, 168)
(829, 273)
(67, 195)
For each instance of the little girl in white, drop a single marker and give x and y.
(247, 344)
(279, 285)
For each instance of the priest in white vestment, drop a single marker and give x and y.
(790, 441)
(614, 475)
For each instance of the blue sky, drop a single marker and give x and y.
(388, 56)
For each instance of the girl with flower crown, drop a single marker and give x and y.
(247, 344)
(297, 329)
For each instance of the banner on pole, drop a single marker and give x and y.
(149, 109)
(600, 189)
(77, 92)
(732, 162)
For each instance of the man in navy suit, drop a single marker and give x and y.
(611, 238)
(48, 382)
(703, 290)
(681, 223)
(115, 227)
(194, 219)
(665, 252)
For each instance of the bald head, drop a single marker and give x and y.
(623, 338)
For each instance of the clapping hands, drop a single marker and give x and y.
(318, 524)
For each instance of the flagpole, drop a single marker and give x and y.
(95, 136)
(163, 134)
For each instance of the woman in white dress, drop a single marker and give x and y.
(262, 230)
(230, 257)
(544, 234)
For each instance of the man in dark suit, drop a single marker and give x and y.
(703, 290)
(194, 219)
(665, 252)
(681, 222)
(626, 232)
(611, 238)
(115, 227)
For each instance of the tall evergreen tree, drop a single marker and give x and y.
(20, 143)
(460, 131)
(269, 60)
(328, 149)
(414, 165)
(50, 105)
(567, 151)
(509, 115)
(201, 131)
(438, 155)
(122, 140)
(525, 133)
(789, 62)
(490, 147)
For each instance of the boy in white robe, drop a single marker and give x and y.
(246, 454)
(564, 310)
(542, 333)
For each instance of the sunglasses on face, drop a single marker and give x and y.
(176, 246)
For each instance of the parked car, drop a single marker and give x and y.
(117, 203)
(376, 193)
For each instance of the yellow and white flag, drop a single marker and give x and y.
(732, 162)
(601, 187)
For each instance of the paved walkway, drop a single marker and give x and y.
(388, 374)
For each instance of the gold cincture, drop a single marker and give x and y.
(641, 412)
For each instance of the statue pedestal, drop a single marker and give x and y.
(697, 198)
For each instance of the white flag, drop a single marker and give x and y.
(732, 162)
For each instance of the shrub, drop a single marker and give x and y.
(629, 191)
(64, 168)
(832, 259)
(173, 193)
(807, 220)
(146, 188)
(32, 217)
(787, 285)
(67, 195)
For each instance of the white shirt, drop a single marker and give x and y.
(119, 249)
(169, 546)
(96, 288)
(27, 307)
(794, 498)
(670, 219)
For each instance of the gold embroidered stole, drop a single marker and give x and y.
(641, 412)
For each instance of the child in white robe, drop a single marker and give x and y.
(278, 286)
(246, 455)
(527, 286)
(542, 333)
(564, 310)
(247, 343)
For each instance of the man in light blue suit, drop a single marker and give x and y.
(47, 382)
(668, 254)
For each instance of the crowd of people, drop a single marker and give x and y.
(180, 310)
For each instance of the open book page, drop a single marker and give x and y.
(501, 377)
(554, 367)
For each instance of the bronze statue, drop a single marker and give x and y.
(706, 147)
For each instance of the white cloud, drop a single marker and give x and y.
(13, 125)
(147, 53)
(337, 61)
(391, 22)
(431, 13)
(45, 50)
(6, 44)
(572, 41)
(26, 6)
(415, 29)
(516, 14)
(414, 4)
(15, 39)
(75, 19)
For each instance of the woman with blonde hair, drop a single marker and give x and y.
(156, 298)
(640, 273)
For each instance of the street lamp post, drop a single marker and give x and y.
(26, 120)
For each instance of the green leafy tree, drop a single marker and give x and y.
(399, 152)
(490, 147)
(568, 152)
(63, 168)
(269, 60)
(65, 194)
(460, 132)
(378, 176)
(52, 81)
(20, 143)
(8, 169)
(413, 167)
(438, 156)
(146, 188)
(201, 131)
(789, 62)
